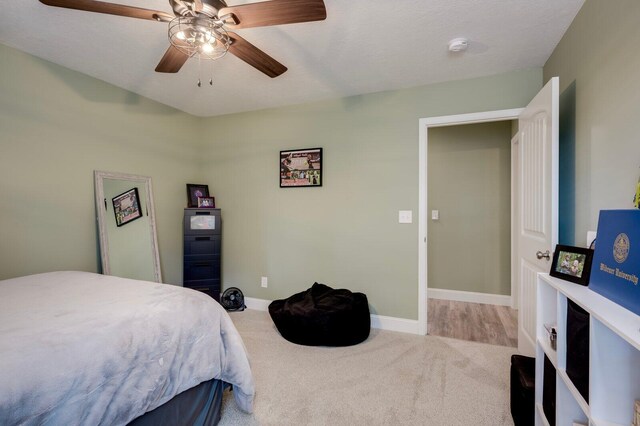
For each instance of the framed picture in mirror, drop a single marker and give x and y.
(126, 207)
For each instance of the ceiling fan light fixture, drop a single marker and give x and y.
(196, 28)
(199, 37)
(207, 48)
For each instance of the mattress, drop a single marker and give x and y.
(82, 348)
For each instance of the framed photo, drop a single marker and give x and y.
(126, 207)
(301, 168)
(207, 202)
(572, 264)
(195, 191)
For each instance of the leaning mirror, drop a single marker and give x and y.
(127, 226)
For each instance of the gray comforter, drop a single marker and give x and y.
(81, 348)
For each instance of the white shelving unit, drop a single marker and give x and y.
(614, 356)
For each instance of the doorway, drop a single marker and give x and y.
(469, 235)
(424, 214)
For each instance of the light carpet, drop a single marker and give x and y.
(390, 379)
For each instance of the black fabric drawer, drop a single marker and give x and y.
(202, 245)
(210, 287)
(549, 391)
(578, 348)
(202, 269)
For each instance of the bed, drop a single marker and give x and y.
(78, 348)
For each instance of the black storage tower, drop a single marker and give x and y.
(202, 250)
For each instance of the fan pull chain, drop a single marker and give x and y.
(211, 79)
(199, 71)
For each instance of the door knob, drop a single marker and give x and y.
(545, 255)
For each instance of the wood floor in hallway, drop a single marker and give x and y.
(476, 322)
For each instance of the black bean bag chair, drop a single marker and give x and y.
(322, 316)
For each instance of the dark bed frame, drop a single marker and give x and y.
(199, 406)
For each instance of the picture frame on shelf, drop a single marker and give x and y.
(195, 191)
(301, 168)
(207, 202)
(572, 264)
(126, 207)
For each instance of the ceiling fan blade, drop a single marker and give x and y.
(275, 12)
(111, 9)
(255, 57)
(172, 60)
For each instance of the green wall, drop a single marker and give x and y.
(346, 233)
(598, 54)
(469, 183)
(57, 127)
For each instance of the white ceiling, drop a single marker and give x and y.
(363, 46)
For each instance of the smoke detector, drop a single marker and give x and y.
(458, 45)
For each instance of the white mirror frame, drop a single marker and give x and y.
(99, 177)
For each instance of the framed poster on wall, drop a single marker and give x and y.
(301, 168)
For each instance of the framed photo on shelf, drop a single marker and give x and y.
(126, 207)
(572, 264)
(301, 168)
(195, 191)
(207, 202)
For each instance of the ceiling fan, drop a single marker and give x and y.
(198, 28)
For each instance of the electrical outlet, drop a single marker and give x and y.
(264, 282)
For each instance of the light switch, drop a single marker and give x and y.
(435, 214)
(405, 216)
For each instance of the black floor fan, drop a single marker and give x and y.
(232, 299)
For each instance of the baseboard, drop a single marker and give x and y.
(394, 324)
(381, 322)
(468, 296)
(257, 304)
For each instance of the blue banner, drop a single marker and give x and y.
(616, 261)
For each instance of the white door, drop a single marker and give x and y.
(515, 222)
(538, 203)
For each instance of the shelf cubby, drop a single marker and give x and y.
(615, 375)
(568, 410)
